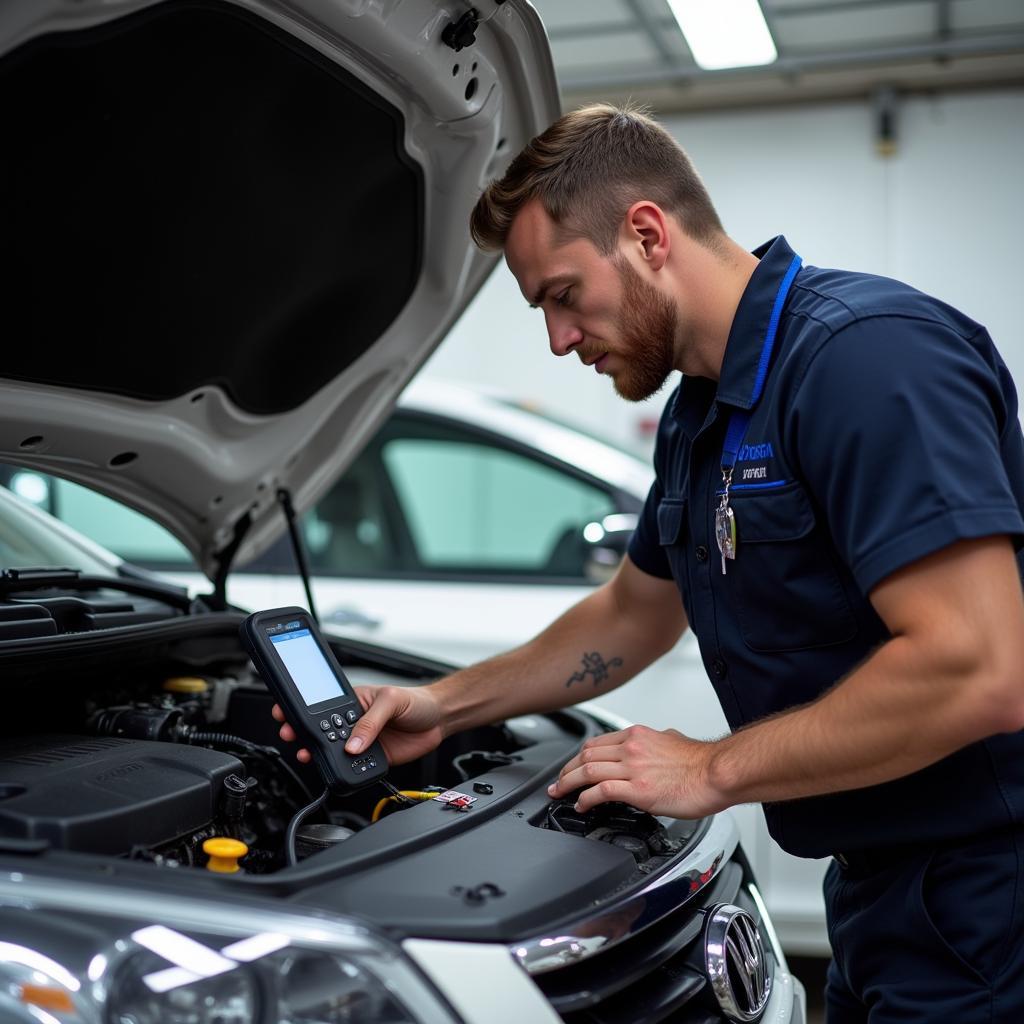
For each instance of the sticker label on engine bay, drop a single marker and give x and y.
(455, 800)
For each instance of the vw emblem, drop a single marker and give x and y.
(735, 962)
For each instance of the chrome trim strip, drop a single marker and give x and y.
(619, 921)
(767, 926)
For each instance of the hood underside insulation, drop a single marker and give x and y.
(190, 196)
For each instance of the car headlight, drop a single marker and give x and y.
(137, 995)
(92, 954)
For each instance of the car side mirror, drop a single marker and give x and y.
(606, 542)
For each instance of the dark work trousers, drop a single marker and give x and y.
(929, 936)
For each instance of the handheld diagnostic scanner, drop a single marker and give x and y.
(299, 669)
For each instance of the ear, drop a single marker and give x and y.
(647, 232)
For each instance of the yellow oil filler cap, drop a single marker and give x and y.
(224, 854)
(186, 685)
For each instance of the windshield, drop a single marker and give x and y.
(31, 538)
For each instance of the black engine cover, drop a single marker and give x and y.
(106, 795)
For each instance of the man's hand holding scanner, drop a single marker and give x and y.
(406, 720)
(659, 772)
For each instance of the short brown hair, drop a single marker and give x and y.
(587, 169)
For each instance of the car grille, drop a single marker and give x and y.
(651, 976)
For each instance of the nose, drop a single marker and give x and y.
(563, 336)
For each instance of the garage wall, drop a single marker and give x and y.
(945, 214)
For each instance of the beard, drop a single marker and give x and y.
(647, 325)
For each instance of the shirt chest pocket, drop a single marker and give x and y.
(784, 583)
(672, 537)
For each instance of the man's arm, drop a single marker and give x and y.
(598, 644)
(952, 673)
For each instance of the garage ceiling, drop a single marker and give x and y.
(616, 49)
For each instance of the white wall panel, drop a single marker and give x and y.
(945, 213)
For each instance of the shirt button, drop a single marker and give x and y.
(702, 553)
(718, 668)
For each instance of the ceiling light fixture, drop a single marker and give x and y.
(725, 33)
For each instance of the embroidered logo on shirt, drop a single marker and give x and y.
(755, 453)
(750, 452)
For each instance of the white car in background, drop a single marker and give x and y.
(465, 526)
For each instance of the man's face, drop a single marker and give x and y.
(596, 306)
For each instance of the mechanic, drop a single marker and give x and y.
(838, 503)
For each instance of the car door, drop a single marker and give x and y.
(450, 539)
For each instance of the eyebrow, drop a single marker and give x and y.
(547, 283)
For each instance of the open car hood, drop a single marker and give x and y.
(233, 232)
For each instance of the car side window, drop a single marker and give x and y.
(351, 531)
(475, 507)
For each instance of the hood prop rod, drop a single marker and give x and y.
(285, 498)
(218, 600)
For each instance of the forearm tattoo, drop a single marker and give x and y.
(595, 666)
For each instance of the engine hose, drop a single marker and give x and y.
(227, 739)
(293, 827)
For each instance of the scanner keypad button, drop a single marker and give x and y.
(332, 736)
(352, 716)
(337, 720)
(324, 724)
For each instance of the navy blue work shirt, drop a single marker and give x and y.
(887, 430)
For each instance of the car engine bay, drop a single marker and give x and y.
(146, 757)
(150, 770)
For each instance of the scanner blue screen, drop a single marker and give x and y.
(307, 666)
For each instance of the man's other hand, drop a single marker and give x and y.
(407, 720)
(659, 772)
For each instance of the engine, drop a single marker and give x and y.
(150, 768)
(109, 795)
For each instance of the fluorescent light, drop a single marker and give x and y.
(182, 951)
(42, 1015)
(725, 33)
(619, 521)
(170, 977)
(97, 965)
(256, 946)
(31, 486)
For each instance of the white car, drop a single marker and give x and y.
(465, 526)
(234, 231)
